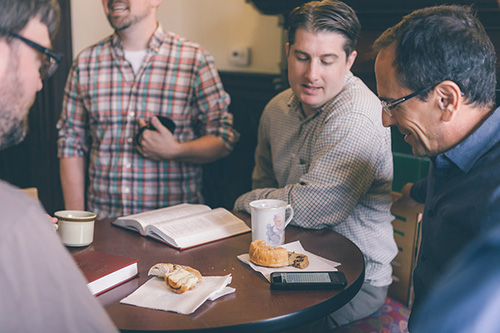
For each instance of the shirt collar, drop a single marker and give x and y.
(466, 153)
(295, 106)
(154, 43)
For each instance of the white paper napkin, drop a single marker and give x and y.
(316, 263)
(155, 295)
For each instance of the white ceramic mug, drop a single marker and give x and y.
(76, 227)
(269, 220)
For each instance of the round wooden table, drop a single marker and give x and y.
(253, 307)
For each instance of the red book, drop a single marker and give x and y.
(105, 271)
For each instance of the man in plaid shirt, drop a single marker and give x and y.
(115, 88)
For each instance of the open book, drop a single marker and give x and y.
(185, 225)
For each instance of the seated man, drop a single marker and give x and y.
(322, 148)
(41, 289)
(436, 78)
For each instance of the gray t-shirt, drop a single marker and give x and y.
(41, 288)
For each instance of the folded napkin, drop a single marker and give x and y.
(155, 295)
(316, 263)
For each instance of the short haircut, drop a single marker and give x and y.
(15, 14)
(326, 16)
(443, 43)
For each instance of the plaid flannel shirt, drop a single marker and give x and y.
(102, 103)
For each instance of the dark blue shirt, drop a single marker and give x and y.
(462, 197)
(467, 298)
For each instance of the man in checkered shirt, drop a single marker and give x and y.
(116, 87)
(323, 149)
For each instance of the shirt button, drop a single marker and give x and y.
(131, 114)
(126, 190)
(130, 140)
(424, 257)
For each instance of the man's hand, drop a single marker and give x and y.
(157, 144)
(52, 219)
(406, 198)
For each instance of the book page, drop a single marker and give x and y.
(201, 228)
(159, 215)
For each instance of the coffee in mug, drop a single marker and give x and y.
(75, 227)
(269, 220)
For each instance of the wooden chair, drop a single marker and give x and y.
(31, 191)
(407, 236)
(393, 315)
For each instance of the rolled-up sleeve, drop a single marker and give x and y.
(213, 102)
(73, 137)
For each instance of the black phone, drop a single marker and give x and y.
(308, 280)
(167, 122)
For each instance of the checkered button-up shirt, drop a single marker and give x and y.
(103, 101)
(334, 168)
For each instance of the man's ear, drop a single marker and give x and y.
(287, 48)
(351, 58)
(449, 99)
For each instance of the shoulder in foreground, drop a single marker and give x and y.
(12, 198)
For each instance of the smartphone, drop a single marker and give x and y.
(308, 280)
(167, 122)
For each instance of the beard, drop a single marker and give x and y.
(13, 114)
(13, 133)
(122, 23)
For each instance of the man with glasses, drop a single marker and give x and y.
(41, 288)
(443, 63)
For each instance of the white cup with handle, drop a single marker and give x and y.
(269, 220)
(75, 227)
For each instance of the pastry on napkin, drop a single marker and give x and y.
(316, 263)
(154, 295)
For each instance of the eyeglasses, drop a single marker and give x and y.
(387, 106)
(49, 63)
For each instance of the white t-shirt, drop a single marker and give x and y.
(135, 59)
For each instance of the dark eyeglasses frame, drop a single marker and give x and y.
(387, 106)
(54, 59)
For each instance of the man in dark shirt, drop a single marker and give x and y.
(436, 80)
(467, 298)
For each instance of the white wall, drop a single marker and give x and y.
(218, 25)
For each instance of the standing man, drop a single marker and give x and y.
(119, 85)
(436, 79)
(42, 289)
(322, 148)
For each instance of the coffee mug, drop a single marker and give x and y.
(269, 220)
(75, 227)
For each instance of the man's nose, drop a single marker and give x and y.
(312, 71)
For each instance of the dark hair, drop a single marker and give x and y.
(15, 14)
(326, 16)
(443, 43)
